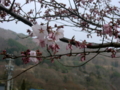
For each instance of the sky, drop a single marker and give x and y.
(68, 32)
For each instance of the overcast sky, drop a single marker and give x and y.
(21, 28)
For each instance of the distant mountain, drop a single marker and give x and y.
(8, 34)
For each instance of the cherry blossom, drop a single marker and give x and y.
(40, 42)
(30, 33)
(38, 53)
(82, 44)
(59, 34)
(56, 35)
(82, 57)
(108, 29)
(54, 48)
(40, 31)
(25, 57)
(51, 36)
(33, 59)
(47, 38)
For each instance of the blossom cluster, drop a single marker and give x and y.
(45, 36)
(111, 29)
(31, 56)
(113, 52)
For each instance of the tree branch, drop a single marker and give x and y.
(92, 46)
(15, 15)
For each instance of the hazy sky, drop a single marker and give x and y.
(21, 28)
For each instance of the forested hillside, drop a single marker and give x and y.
(102, 73)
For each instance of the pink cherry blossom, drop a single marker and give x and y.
(83, 58)
(107, 29)
(51, 36)
(82, 44)
(40, 42)
(59, 34)
(25, 57)
(54, 48)
(40, 31)
(33, 59)
(56, 35)
(49, 41)
(44, 38)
